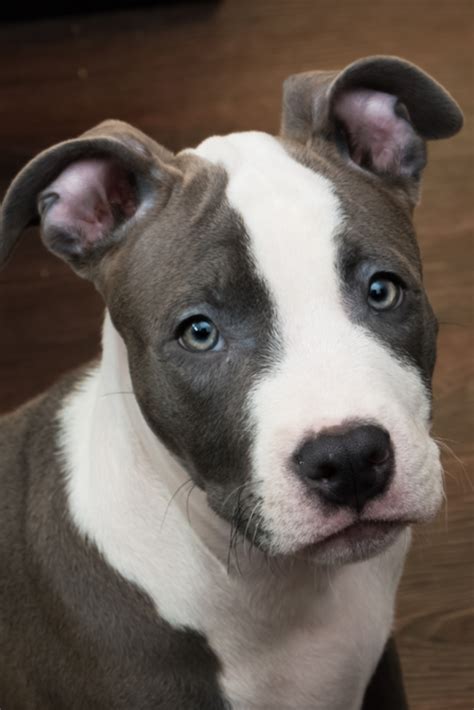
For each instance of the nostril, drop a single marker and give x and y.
(317, 464)
(377, 457)
(326, 471)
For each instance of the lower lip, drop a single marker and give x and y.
(372, 533)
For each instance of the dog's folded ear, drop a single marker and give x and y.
(86, 193)
(378, 112)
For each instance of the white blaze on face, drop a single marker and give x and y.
(331, 369)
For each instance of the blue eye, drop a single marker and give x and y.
(198, 334)
(385, 293)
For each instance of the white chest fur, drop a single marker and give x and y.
(309, 643)
(296, 636)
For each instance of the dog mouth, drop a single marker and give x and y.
(358, 540)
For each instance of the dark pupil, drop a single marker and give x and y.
(201, 330)
(378, 291)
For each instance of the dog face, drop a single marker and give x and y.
(270, 295)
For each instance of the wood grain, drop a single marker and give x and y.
(187, 71)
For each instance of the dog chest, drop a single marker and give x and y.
(313, 649)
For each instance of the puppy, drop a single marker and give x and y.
(216, 513)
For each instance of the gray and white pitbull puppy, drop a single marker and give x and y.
(216, 514)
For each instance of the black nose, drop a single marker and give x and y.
(347, 466)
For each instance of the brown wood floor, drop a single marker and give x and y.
(185, 72)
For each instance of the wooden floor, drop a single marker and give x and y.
(187, 71)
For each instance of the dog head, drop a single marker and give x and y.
(269, 293)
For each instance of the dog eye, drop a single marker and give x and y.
(198, 334)
(385, 292)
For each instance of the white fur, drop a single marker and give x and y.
(305, 637)
(332, 370)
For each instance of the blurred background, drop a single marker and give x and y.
(182, 71)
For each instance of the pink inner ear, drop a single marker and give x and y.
(88, 199)
(375, 129)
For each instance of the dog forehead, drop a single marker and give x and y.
(264, 178)
(291, 212)
(296, 203)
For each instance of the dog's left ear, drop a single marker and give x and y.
(378, 112)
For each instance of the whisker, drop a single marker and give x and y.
(249, 521)
(242, 485)
(466, 479)
(255, 532)
(232, 531)
(236, 553)
(238, 519)
(179, 488)
(187, 501)
(442, 438)
(229, 549)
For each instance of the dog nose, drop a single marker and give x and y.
(347, 467)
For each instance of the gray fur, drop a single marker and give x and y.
(73, 633)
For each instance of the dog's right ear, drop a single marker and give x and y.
(86, 193)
